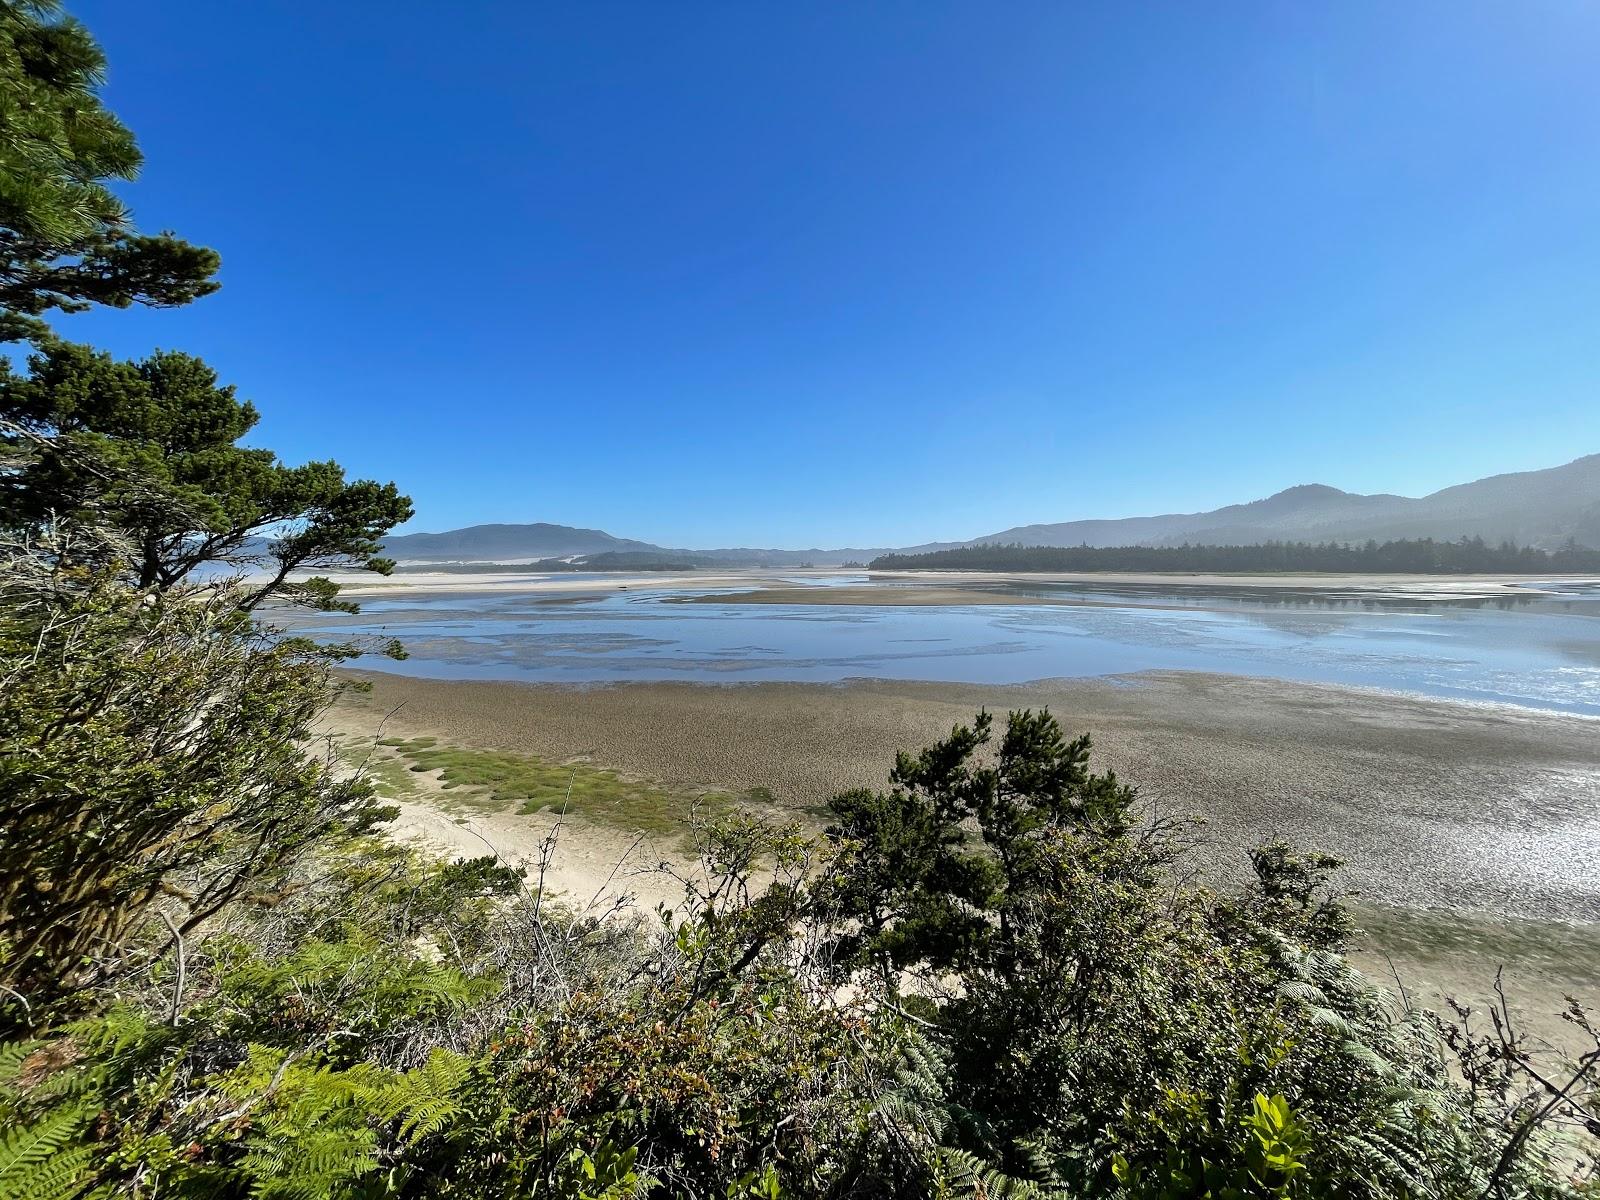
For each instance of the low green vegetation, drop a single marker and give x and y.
(1407, 556)
(1569, 952)
(389, 775)
(521, 779)
(498, 780)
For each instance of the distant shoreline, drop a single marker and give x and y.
(1419, 586)
(932, 588)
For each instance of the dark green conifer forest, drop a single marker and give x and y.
(1425, 556)
(995, 976)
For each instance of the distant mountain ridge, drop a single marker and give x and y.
(528, 543)
(1531, 508)
(538, 540)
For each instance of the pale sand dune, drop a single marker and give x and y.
(432, 582)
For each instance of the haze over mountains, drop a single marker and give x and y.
(1532, 508)
(506, 543)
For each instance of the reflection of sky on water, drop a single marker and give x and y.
(1542, 649)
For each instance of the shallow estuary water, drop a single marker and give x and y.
(1540, 648)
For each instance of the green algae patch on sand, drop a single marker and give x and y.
(461, 779)
(1566, 951)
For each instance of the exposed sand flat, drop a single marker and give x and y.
(1433, 803)
(855, 595)
(914, 594)
(926, 587)
(432, 582)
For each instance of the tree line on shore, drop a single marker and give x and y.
(995, 976)
(1422, 556)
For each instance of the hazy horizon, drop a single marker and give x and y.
(881, 275)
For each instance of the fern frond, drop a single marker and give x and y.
(38, 1162)
(1302, 991)
(969, 1171)
(424, 1099)
(1367, 1057)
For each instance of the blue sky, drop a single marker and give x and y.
(823, 274)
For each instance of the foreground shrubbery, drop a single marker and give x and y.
(991, 979)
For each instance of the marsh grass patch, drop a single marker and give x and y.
(463, 780)
(1562, 950)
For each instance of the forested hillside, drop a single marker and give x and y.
(1545, 508)
(1420, 556)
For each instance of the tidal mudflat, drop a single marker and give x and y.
(1432, 803)
(1472, 833)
